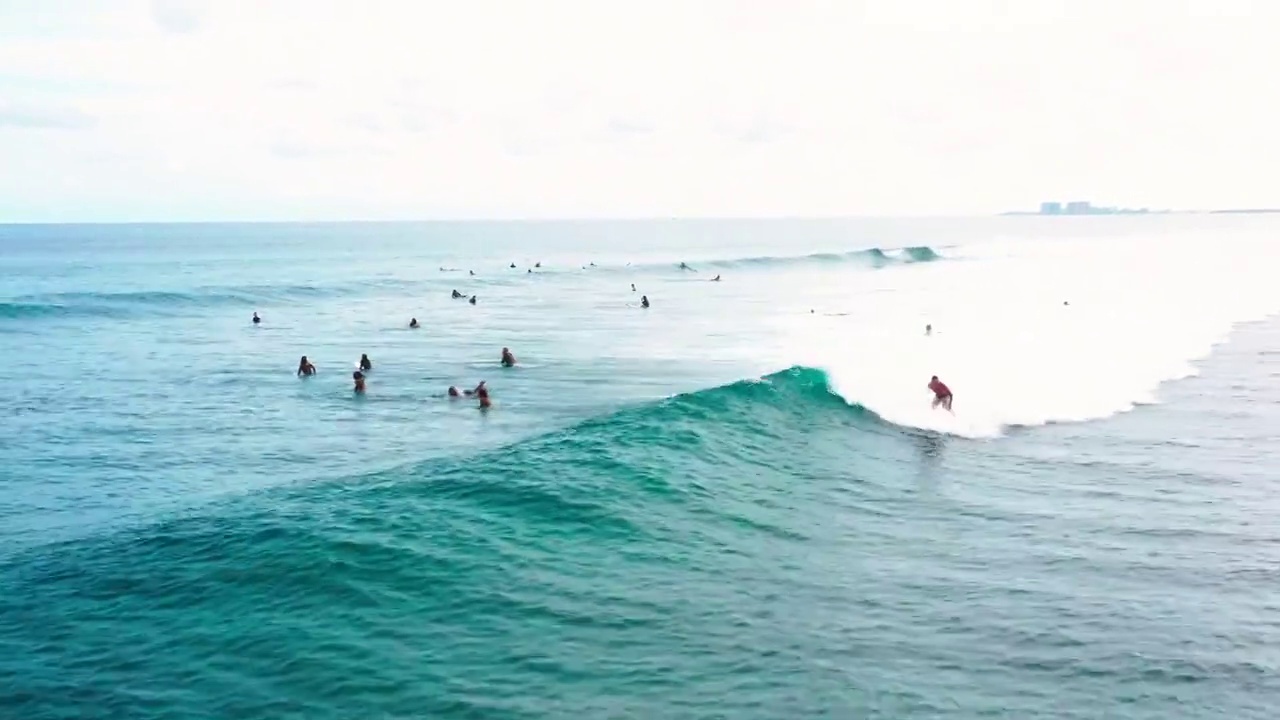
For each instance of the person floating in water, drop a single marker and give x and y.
(457, 294)
(508, 360)
(715, 279)
(538, 264)
(928, 330)
(365, 364)
(513, 266)
(644, 301)
(453, 391)
(941, 393)
(413, 322)
(685, 266)
(473, 272)
(305, 368)
(530, 271)
(256, 319)
(472, 300)
(358, 377)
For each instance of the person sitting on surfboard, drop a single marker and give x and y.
(365, 364)
(941, 393)
(413, 322)
(256, 319)
(305, 367)
(508, 360)
(644, 301)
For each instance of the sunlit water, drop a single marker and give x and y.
(641, 527)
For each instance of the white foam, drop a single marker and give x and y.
(1142, 311)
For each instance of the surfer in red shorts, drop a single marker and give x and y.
(941, 393)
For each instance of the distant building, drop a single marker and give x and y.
(1050, 208)
(1079, 207)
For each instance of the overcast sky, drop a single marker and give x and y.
(382, 109)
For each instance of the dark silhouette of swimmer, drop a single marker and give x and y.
(457, 294)
(928, 330)
(365, 364)
(482, 393)
(473, 272)
(941, 393)
(538, 264)
(508, 360)
(530, 271)
(1064, 302)
(684, 266)
(633, 287)
(644, 301)
(358, 377)
(305, 367)
(513, 265)
(472, 300)
(256, 319)
(453, 392)
(715, 279)
(413, 322)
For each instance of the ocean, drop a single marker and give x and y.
(736, 503)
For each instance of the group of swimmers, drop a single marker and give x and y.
(306, 368)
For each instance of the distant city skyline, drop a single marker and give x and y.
(195, 110)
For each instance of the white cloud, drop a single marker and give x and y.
(329, 108)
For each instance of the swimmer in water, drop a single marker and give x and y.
(453, 392)
(684, 266)
(358, 377)
(482, 393)
(928, 330)
(530, 271)
(508, 360)
(941, 393)
(413, 322)
(472, 300)
(715, 279)
(644, 301)
(365, 364)
(305, 368)
(457, 294)
(513, 265)
(473, 272)
(538, 264)
(256, 319)
(633, 287)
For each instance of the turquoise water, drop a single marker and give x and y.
(736, 503)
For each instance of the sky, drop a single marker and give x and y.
(172, 110)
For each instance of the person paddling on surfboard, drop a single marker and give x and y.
(941, 393)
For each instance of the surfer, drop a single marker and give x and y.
(453, 391)
(513, 266)
(633, 287)
(482, 393)
(365, 364)
(413, 322)
(457, 294)
(508, 360)
(472, 300)
(256, 319)
(305, 367)
(941, 393)
(358, 377)
(928, 330)
(685, 266)
(715, 279)
(644, 301)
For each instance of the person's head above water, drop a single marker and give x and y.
(453, 391)
(933, 379)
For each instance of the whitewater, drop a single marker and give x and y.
(1028, 332)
